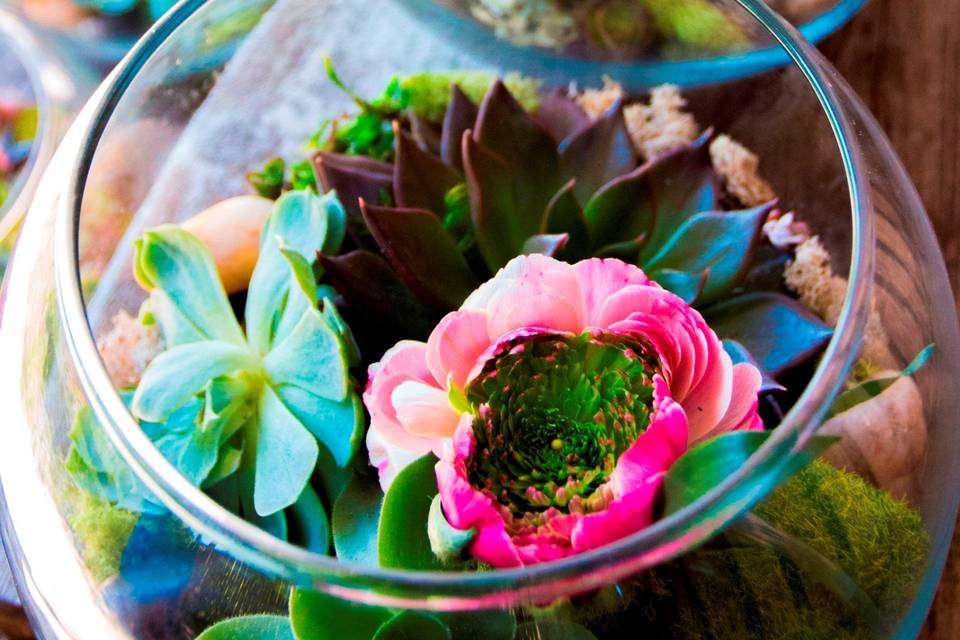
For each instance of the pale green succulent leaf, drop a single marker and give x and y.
(180, 373)
(174, 261)
(286, 456)
(446, 542)
(311, 357)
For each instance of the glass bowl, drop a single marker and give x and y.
(712, 58)
(102, 32)
(36, 74)
(188, 563)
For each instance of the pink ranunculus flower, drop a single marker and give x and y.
(556, 397)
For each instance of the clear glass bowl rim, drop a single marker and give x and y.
(248, 543)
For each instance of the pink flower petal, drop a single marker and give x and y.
(601, 278)
(456, 344)
(424, 410)
(742, 412)
(388, 459)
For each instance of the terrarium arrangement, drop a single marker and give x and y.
(482, 325)
(626, 29)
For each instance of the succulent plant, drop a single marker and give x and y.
(454, 201)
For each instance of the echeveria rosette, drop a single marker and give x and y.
(500, 180)
(274, 399)
(557, 396)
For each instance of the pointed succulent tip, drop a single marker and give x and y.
(418, 248)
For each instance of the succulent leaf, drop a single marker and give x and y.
(738, 353)
(720, 244)
(564, 215)
(354, 178)
(502, 220)
(368, 283)
(461, 117)
(681, 184)
(423, 254)
(688, 286)
(420, 179)
(598, 152)
(546, 244)
(778, 331)
(560, 115)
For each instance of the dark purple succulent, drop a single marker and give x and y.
(459, 199)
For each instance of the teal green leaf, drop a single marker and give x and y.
(654, 200)
(228, 403)
(191, 450)
(173, 261)
(258, 627)
(95, 466)
(872, 388)
(318, 616)
(553, 629)
(356, 516)
(308, 524)
(413, 625)
(286, 455)
(738, 354)
(402, 540)
(298, 224)
(778, 331)
(446, 542)
(311, 357)
(718, 243)
(339, 426)
(180, 373)
(688, 286)
(228, 462)
(709, 463)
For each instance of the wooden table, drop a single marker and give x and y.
(903, 58)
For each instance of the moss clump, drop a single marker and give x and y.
(102, 531)
(429, 93)
(697, 23)
(738, 590)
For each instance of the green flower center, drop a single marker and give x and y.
(553, 413)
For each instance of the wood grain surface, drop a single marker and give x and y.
(903, 58)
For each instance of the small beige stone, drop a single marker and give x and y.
(739, 171)
(231, 231)
(661, 125)
(884, 439)
(128, 348)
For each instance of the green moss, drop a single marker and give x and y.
(697, 23)
(734, 590)
(429, 93)
(878, 540)
(102, 531)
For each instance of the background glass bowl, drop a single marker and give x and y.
(686, 68)
(204, 127)
(59, 86)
